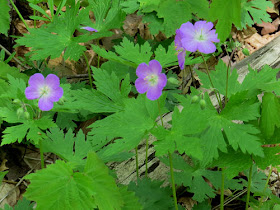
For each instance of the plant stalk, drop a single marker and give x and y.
(146, 159)
(249, 187)
(19, 14)
(88, 67)
(172, 181)
(265, 187)
(222, 190)
(136, 159)
(41, 155)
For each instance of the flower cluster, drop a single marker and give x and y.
(46, 90)
(199, 36)
(150, 79)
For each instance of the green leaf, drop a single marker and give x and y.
(166, 58)
(4, 17)
(227, 13)
(151, 195)
(270, 116)
(2, 175)
(271, 157)
(6, 70)
(107, 195)
(65, 145)
(59, 187)
(130, 6)
(200, 7)
(155, 23)
(254, 12)
(23, 204)
(130, 200)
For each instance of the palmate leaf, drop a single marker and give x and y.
(254, 12)
(4, 17)
(166, 58)
(227, 13)
(52, 39)
(23, 204)
(130, 200)
(65, 145)
(60, 187)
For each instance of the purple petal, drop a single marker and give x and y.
(155, 67)
(52, 81)
(178, 38)
(55, 94)
(32, 93)
(142, 70)
(89, 29)
(203, 25)
(141, 85)
(154, 93)
(162, 80)
(212, 36)
(187, 28)
(36, 80)
(190, 44)
(206, 47)
(181, 59)
(45, 104)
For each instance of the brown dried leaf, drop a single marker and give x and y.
(3, 165)
(11, 200)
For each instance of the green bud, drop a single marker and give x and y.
(61, 100)
(26, 115)
(20, 112)
(173, 81)
(194, 99)
(202, 104)
(246, 51)
(16, 101)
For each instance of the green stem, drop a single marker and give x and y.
(226, 85)
(222, 190)
(160, 113)
(41, 155)
(146, 159)
(265, 187)
(172, 181)
(249, 186)
(19, 14)
(136, 155)
(208, 73)
(34, 13)
(98, 56)
(89, 73)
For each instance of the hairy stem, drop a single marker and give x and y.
(172, 181)
(249, 186)
(136, 159)
(222, 190)
(146, 159)
(265, 187)
(19, 14)
(88, 67)
(14, 58)
(41, 155)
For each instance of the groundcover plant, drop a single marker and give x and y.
(214, 145)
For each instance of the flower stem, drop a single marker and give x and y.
(89, 73)
(136, 159)
(265, 187)
(249, 186)
(41, 155)
(19, 14)
(172, 181)
(207, 70)
(160, 113)
(222, 190)
(146, 159)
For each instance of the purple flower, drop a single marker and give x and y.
(199, 36)
(46, 90)
(89, 29)
(150, 79)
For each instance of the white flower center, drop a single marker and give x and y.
(152, 79)
(200, 35)
(44, 91)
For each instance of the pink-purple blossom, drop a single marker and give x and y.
(89, 29)
(199, 36)
(150, 79)
(47, 90)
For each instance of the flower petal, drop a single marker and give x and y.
(178, 38)
(141, 85)
(45, 104)
(190, 44)
(162, 80)
(89, 28)
(52, 81)
(142, 70)
(55, 94)
(32, 93)
(203, 25)
(36, 80)
(206, 47)
(187, 28)
(212, 36)
(154, 93)
(155, 67)
(181, 59)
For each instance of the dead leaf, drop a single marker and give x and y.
(11, 200)
(3, 165)
(267, 28)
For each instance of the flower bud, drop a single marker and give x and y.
(245, 51)
(194, 99)
(26, 115)
(202, 104)
(173, 81)
(61, 100)
(20, 112)
(16, 101)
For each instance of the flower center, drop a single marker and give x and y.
(200, 35)
(152, 79)
(44, 91)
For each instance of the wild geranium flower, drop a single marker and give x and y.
(89, 29)
(199, 36)
(150, 79)
(46, 90)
